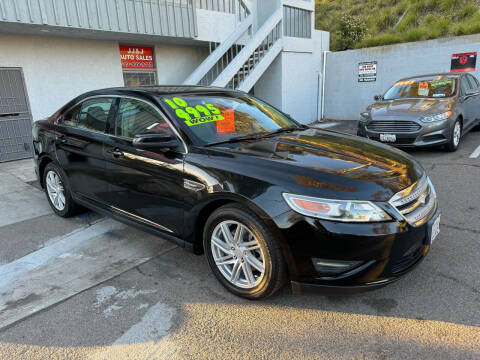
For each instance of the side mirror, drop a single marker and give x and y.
(378, 97)
(155, 141)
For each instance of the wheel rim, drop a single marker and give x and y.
(456, 134)
(55, 190)
(237, 254)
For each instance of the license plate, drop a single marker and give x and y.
(435, 229)
(388, 137)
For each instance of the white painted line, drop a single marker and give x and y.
(476, 153)
(326, 125)
(71, 264)
(148, 339)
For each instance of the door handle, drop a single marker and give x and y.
(117, 153)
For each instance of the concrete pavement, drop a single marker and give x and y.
(65, 300)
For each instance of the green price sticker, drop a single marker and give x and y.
(194, 115)
(203, 120)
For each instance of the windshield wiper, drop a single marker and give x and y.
(256, 136)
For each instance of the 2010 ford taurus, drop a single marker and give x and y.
(421, 111)
(222, 173)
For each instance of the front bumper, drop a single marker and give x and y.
(382, 252)
(429, 134)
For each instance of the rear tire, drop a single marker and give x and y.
(455, 137)
(58, 192)
(243, 252)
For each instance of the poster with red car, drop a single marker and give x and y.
(464, 62)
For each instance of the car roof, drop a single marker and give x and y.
(430, 75)
(161, 90)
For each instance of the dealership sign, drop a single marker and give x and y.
(136, 57)
(367, 71)
(464, 62)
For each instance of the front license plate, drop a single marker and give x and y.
(435, 229)
(388, 137)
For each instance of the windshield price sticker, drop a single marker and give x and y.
(228, 123)
(194, 115)
(423, 88)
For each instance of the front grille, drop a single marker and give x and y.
(416, 202)
(393, 126)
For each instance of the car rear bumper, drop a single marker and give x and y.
(428, 135)
(376, 254)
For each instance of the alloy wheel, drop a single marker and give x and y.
(457, 130)
(237, 254)
(55, 190)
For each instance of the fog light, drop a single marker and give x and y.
(334, 266)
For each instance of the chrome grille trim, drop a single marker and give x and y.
(416, 202)
(393, 126)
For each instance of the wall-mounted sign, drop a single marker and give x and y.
(136, 57)
(464, 62)
(367, 71)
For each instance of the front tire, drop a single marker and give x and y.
(243, 253)
(455, 137)
(57, 191)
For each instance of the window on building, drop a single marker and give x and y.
(137, 117)
(138, 65)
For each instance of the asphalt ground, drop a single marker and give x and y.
(92, 288)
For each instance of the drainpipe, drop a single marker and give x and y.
(323, 83)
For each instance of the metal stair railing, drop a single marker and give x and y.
(252, 53)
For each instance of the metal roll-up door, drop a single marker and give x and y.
(15, 116)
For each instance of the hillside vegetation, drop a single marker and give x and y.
(366, 23)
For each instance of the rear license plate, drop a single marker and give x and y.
(435, 229)
(388, 137)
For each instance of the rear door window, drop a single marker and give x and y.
(71, 117)
(94, 114)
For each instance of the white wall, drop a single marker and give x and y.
(345, 97)
(176, 62)
(56, 70)
(292, 82)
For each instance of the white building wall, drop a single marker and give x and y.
(56, 70)
(175, 62)
(293, 82)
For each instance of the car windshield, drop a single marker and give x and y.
(429, 87)
(212, 119)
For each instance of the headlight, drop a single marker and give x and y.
(364, 117)
(437, 117)
(336, 210)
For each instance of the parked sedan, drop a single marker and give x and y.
(222, 173)
(428, 110)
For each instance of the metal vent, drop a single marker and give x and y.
(394, 126)
(417, 202)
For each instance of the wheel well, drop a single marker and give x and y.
(460, 117)
(202, 219)
(41, 168)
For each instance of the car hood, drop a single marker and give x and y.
(325, 164)
(410, 107)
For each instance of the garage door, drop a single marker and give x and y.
(15, 116)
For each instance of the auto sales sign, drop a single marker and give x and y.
(136, 57)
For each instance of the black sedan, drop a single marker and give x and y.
(428, 110)
(222, 173)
